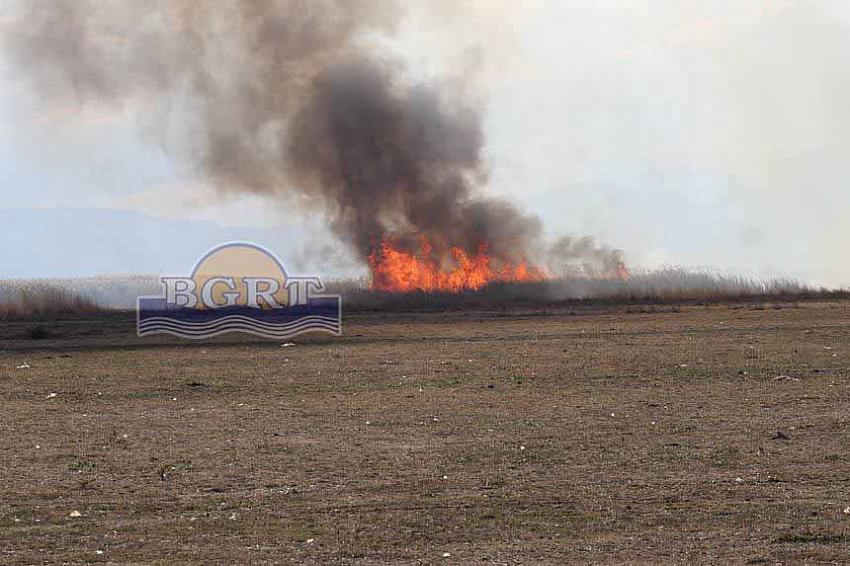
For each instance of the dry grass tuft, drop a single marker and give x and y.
(39, 301)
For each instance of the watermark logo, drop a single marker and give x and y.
(239, 287)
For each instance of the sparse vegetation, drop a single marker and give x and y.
(38, 332)
(611, 438)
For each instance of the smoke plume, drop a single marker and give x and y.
(294, 98)
(584, 257)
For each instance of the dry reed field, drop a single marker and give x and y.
(23, 298)
(582, 434)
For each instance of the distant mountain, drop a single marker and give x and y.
(81, 242)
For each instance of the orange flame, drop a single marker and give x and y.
(394, 269)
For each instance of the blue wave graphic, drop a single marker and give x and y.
(235, 319)
(320, 314)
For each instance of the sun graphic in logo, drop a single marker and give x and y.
(241, 274)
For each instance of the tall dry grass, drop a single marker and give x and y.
(20, 301)
(42, 298)
(659, 286)
(106, 292)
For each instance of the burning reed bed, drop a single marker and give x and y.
(49, 298)
(669, 286)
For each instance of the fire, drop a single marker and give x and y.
(394, 269)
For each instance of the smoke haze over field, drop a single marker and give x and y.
(293, 96)
(708, 133)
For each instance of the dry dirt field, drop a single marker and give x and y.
(713, 434)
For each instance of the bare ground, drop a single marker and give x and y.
(693, 434)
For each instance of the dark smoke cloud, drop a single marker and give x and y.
(291, 97)
(400, 159)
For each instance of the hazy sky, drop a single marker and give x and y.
(696, 133)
